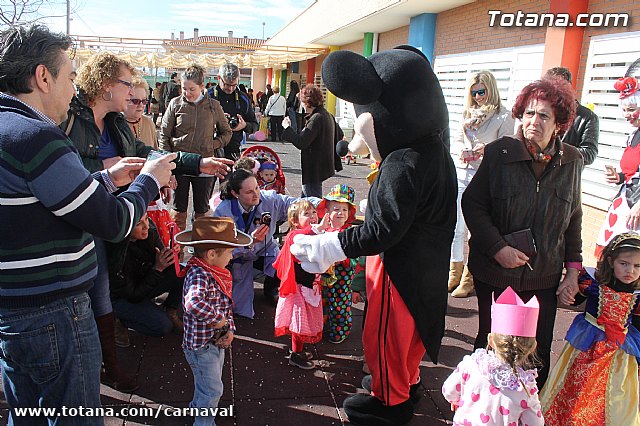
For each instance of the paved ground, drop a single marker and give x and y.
(259, 384)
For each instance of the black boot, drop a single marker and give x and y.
(367, 410)
(111, 374)
(414, 390)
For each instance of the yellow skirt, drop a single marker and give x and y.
(598, 387)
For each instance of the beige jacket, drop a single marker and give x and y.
(145, 130)
(499, 125)
(199, 128)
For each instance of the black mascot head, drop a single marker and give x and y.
(396, 96)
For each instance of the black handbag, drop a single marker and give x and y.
(523, 241)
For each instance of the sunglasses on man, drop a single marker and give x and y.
(480, 92)
(138, 101)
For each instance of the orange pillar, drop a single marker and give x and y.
(563, 45)
(311, 70)
(270, 76)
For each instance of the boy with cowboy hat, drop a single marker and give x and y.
(208, 318)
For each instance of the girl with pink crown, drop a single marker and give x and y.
(493, 386)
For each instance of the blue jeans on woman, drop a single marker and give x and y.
(146, 317)
(206, 364)
(294, 119)
(50, 357)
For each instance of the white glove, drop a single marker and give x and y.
(363, 205)
(317, 253)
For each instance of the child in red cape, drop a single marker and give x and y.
(299, 310)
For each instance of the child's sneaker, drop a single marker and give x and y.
(338, 340)
(305, 354)
(298, 360)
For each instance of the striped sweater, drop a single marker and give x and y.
(50, 206)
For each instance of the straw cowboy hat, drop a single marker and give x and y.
(213, 232)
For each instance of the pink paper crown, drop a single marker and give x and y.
(512, 317)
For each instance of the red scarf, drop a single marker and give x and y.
(221, 275)
(284, 263)
(539, 155)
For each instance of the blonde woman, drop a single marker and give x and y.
(484, 120)
(141, 126)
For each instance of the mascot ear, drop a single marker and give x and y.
(414, 50)
(351, 77)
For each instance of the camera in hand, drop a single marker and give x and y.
(264, 219)
(153, 154)
(233, 122)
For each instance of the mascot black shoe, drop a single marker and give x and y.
(402, 121)
(367, 410)
(414, 390)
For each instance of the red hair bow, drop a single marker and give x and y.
(627, 86)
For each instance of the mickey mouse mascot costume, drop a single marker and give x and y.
(409, 222)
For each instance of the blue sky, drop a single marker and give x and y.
(158, 18)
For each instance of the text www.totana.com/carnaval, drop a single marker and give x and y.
(133, 411)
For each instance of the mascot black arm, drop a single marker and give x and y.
(410, 181)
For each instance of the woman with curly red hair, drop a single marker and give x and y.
(624, 211)
(315, 141)
(524, 212)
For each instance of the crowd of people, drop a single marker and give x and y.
(84, 170)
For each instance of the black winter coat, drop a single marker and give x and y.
(131, 273)
(584, 133)
(316, 145)
(505, 196)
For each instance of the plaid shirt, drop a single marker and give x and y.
(204, 306)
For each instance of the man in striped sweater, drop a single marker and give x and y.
(49, 208)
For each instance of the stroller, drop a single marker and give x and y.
(262, 154)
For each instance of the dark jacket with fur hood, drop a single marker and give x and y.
(85, 135)
(505, 196)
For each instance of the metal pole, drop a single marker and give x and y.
(68, 17)
(263, 24)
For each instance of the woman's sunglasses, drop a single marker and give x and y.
(480, 92)
(138, 101)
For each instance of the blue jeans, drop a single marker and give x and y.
(206, 364)
(50, 357)
(99, 293)
(313, 189)
(294, 119)
(146, 317)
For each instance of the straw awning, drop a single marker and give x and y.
(180, 54)
(206, 60)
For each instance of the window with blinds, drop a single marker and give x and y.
(608, 59)
(513, 69)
